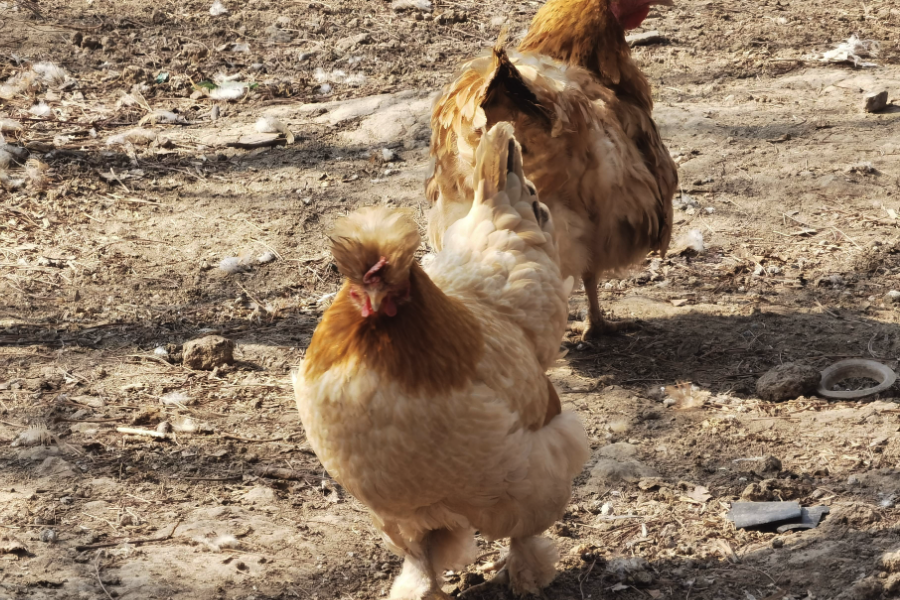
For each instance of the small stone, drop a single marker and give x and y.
(771, 463)
(644, 39)
(134, 74)
(208, 352)
(260, 495)
(48, 536)
(890, 562)
(876, 101)
(778, 543)
(348, 43)
(56, 468)
(892, 297)
(92, 43)
(788, 381)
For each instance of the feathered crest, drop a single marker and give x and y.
(375, 241)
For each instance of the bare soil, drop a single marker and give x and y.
(794, 188)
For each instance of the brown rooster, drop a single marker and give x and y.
(582, 111)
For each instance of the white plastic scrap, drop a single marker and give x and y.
(217, 9)
(853, 50)
(270, 124)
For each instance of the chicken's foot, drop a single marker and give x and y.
(417, 579)
(500, 579)
(595, 327)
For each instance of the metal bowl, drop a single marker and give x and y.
(855, 367)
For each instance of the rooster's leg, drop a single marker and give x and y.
(596, 326)
(417, 579)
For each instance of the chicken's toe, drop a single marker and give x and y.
(501, 579)
(595, 330)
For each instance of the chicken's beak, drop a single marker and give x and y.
(376, 297)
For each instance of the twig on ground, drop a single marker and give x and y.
(132, 542)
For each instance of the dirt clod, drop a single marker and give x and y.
(876, 101)
(788, 381)
(890, 562)
(207, 353)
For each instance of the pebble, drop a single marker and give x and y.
(644, 39)
(48, 536)
(876, 101)
(892, 296)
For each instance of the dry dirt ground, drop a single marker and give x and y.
(794, 188)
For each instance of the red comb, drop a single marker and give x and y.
(371, 275)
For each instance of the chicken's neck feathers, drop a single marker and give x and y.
(587, 34)
(433, 343)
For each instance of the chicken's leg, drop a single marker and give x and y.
(417, 579)
(596, 326)
(527, 569)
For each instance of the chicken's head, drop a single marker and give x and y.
(376, 295)
(631, 13)
(374, 248)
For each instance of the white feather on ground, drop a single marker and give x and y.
(853, 51)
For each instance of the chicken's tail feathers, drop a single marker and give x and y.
(500, 182)
(497, 157)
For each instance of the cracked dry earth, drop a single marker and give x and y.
(794, 188)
